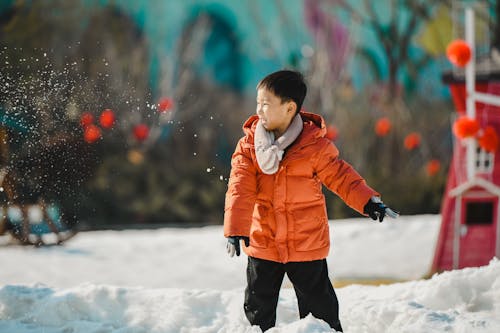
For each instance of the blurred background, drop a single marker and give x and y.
(127, 112)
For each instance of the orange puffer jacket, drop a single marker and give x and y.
(284, 214)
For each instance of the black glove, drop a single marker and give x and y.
(233, 244)
(376, 209)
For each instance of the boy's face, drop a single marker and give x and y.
(275, 115)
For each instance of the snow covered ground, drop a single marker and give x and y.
(180, 280)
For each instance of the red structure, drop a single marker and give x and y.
(470, 228)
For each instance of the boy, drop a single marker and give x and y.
(274, 202)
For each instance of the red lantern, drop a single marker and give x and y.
(107, 118)
(433, 167)
(332, 132)
(383, 126)
(86, 119)
(458, 52)
(489, 139)
(165, 104)
(92, 133)
(412, 141)
(141, 132)
(465, 127)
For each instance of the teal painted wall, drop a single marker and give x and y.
(251, 38)
(163, 22)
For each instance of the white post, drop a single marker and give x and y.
(456, 232)
(487, 98)
(470, 87)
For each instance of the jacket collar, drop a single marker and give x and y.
(314, 127)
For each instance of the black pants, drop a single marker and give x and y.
(312, 286)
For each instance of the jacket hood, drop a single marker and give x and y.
(314, 125)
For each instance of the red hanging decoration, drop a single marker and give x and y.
(332, 132)
(458, 52)
(91, 134)
(412, 141)
(86, 119)
(383, 126)
(141, 132)
(489, 139)
(165, 104)
(107, 118)
(433, 167)
(465, 127)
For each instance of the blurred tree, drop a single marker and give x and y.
(48, 82)
(45, 157)
(178, 173)
(384, 161)
(394, 31)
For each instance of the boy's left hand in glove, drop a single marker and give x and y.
(376, 209)
(233, 244)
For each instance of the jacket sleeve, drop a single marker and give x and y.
(241, 193)
(341, 178)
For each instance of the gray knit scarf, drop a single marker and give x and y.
(269, 152)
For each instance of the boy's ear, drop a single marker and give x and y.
(292, 107)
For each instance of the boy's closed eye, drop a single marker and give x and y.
(262, 106)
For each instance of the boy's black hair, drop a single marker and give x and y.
(287, 85)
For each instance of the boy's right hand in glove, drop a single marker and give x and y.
(233, 244)
(376, 209)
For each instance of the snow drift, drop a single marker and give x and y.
(179, 280)
(459, 301)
